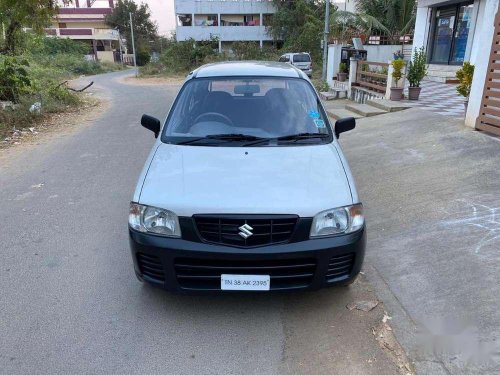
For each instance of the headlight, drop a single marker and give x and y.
(337, 221)
(154, 220)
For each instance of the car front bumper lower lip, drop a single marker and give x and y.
(186, 266)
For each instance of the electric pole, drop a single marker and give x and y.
(325, 38)
(133, 42)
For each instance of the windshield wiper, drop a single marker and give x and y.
(223, 137)
(299, 136)
(234, 137)
(292, 137)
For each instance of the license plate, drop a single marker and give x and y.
(245, 282)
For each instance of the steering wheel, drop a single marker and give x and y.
(226, 119)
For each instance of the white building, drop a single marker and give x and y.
(228, 20)
(453, 32)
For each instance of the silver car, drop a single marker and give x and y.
(301, 60)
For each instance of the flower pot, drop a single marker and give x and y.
(396, 93)
(414, 93)
(341, 77)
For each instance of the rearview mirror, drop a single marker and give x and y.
(151, 123)
(344, 125)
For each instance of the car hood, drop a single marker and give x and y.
(301, 180)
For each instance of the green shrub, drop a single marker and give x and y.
(397, 72)
(14, 78)
(143, 57)
(465, 76)
(42, 45)
(417, 67)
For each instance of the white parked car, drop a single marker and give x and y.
(301, 60)
(246, 187)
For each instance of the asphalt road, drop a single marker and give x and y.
(70, 302)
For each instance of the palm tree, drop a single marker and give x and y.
(391, 17)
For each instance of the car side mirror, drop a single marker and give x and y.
(151, 123)
(344, 125)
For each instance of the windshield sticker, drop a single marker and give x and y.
(314, 114)
(319, 123)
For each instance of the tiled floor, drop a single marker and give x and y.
(440, 98)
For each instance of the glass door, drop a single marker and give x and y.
(451, 30)
(461, 34)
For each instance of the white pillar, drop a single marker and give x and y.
(333, 61)
(389, 81)
(421, 33)
(192, 19)
(220, 46)
(353, 72)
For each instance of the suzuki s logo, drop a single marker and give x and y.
(246, 231)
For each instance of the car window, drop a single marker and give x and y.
(260, 107)
(302, 57)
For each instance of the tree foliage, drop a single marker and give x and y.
(397, 16)
(390, 17)
(16, 14)
(145, 30)
(299, 23)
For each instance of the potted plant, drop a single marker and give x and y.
(398, 55)
(417, 70)
(342, 74)
(464, 76)
(397, 74)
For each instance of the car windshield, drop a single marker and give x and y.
(303, 57)
(246, 109)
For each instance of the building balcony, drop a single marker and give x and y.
(224, 33)
(234, 6)
(84, 33)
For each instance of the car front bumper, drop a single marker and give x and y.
(185, 266)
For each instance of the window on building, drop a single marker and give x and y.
(184, 20)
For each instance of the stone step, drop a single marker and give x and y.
(338, 113)
(387, 105)
(364, 110)
(328, 95)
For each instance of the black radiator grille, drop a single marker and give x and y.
(151, 266)
(265, 230)
(340, 267)
(205, 274)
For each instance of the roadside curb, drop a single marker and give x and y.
(405, 328)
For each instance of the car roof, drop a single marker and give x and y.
(247, 68)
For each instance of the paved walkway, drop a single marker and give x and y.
(440, 98)
(430, 189)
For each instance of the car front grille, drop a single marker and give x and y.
(205, 274)
(265, 230)
(340, 267)
(151, 267)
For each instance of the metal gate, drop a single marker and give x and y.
(489, 113)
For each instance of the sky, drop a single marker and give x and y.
(161, 10)
(163, 13)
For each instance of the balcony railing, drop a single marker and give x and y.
(224, 33)
(84, 33)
